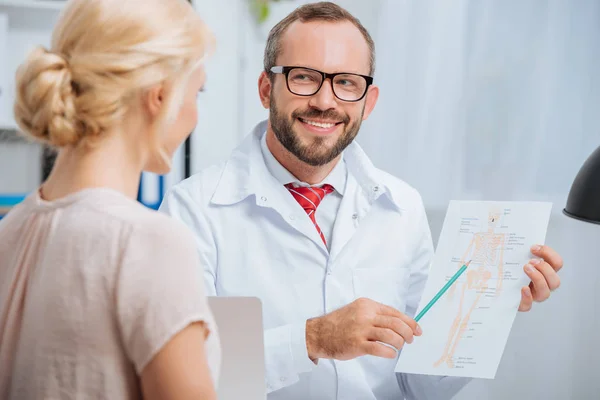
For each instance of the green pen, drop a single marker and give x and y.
(442, 291)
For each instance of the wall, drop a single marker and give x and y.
(20, 168)
(218, 127)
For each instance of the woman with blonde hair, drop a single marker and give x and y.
(99, 296)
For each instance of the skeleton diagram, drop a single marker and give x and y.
(486, 250)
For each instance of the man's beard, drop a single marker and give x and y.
(315, 153)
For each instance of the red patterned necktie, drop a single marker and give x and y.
(310, 198)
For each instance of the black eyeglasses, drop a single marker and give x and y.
(304, 81)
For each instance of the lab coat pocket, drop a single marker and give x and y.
(388, 286)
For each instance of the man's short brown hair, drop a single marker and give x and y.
(322, 11)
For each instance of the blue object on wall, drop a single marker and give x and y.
(151, 190)
(9, 201)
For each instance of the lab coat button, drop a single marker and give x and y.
(354, 216)
(376, 188)
(263, 198)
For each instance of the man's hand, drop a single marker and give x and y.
(543, 274)
(356, 329)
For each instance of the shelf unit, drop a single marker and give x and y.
(29, 24)
(7, 125)
(55, 5)
(10, 136)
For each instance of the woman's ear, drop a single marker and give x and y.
(153, 101)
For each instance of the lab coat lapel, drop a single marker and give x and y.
(348, 217)
(246, 175)
(364, 187)
(283, 203)
(276, 198)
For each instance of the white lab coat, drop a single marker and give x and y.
(255, 240)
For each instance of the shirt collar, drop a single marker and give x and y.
(246, 173)
(336, 178)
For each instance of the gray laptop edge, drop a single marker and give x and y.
(240, 325)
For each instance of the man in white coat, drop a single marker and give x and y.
(337, 250)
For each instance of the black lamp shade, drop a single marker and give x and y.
(584, 198)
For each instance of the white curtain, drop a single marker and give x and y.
(500, 100)
(487, 99)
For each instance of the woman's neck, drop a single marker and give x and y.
(109, 164)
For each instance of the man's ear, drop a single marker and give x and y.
(264, 89)
(371, 99)
(153, 100)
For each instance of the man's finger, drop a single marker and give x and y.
(526, 299)
(549, 255)
(392, 312)
(395, 324)
(552, 278)
(540, 289)
(378, 350)
(387, 336)
(389, 311)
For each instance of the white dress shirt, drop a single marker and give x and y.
(328, 209)
(254, 239)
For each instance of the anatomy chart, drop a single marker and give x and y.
(465, 332)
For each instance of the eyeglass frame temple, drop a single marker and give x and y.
(284, 70)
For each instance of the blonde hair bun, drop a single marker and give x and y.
(104, 54)
(45, 100)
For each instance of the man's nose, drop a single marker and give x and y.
(324, 99)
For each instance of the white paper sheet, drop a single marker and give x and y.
(465, 332)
